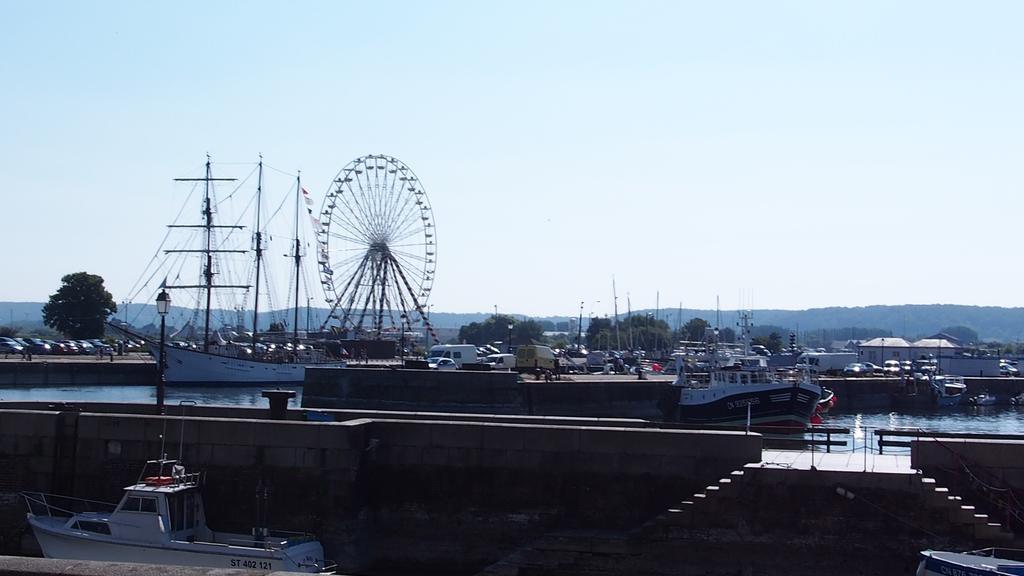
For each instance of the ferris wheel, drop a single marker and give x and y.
(377, 247)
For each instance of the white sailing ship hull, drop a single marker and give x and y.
(58, 542)
(193, 367)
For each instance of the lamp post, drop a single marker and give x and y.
(509, 337)
(579, 330)
(163, 305)
(402, 328)
(427, 325)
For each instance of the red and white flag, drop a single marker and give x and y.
(305, 196)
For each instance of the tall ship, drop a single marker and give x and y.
(208, 357)
(740, 389)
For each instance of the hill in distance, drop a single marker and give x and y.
(910, 321)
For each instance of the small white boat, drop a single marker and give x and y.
(994, 561)
(161, 520)
(948, 390)
(983, 399)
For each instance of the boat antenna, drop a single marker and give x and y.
(163, 438)
(259, 254)
(181, 437)
(718, 312)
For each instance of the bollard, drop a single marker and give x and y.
(278, 402)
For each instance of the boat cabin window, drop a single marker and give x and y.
(90, 526)
(139, 504)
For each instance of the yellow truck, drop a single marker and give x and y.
(536, 359)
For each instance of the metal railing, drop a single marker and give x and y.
(917, 433)
(827, 436)
(54, 505)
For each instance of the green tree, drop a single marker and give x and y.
(598, 333)
(495, 329)
(80, 306)
(647, 333)
(773, 342)
(8, 331)
(694, 330)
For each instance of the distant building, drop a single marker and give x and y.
(943, 336)
(843, 345)
(936, 348)
(878, 350)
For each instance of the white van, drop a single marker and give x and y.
(459, 353)
(831, 363)
(501, 361)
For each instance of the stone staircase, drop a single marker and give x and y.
(716, 512)
(688, 513)
(701, 509)
(981, 525)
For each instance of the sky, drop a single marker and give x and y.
(784, 155)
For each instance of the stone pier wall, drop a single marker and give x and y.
(381, 493)
(488, 392)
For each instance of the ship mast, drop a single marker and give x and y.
(298, 257)
(259, 254)
(615, 301)
(208, 226)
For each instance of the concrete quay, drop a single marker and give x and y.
(129, 369)
(592, 396)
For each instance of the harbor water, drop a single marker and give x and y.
(204, 395)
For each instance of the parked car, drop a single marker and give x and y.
(855, 369)
(873, 368)
(10, 348)
(69, 347)
(1007, 369)
(442, 364)
(39, 346)
(891, 367)
(926, 367)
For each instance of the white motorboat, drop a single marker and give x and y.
(948, 390)
(988, 561)
(983, 399)
(161, 520)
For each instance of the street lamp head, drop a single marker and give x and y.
(163, 303)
